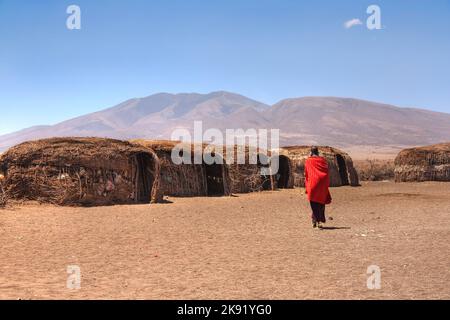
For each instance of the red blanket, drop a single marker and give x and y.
(317, 180)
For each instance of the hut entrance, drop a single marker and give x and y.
(283, 172)
(144, 178)
(342, 167)
(263, 165)
(214, 179)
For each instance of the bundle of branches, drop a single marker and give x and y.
(428, 163)
(3, 196)
(80, 171)
(375, 169)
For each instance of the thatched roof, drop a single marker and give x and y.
(428, 155)
(298, 154)
(166, 146)
(428, 163)
(160, 145)
(90, 152)
(77, 170)
(303, 151)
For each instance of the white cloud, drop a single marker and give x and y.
(351, 23)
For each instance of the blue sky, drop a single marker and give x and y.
(265, 49)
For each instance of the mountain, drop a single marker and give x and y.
(340, 122)
(154, 116)
(345, 122)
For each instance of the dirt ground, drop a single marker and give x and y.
(252, 246)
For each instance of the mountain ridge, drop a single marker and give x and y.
(337, 121)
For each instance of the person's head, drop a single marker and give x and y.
(314, 151)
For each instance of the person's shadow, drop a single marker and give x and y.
(335, 228)
(165, 201)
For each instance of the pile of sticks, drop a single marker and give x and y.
(3, 197)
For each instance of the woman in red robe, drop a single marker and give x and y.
(317, 181)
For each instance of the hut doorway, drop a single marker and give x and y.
(342, 167)
(214, 179)
(144, 178)
(266, 179)
(283, 172)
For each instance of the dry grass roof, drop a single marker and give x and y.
(168, 145)
(163, 145)
(427, 155)
(306, 149)
(90, 152)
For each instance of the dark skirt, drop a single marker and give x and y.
(318, 212)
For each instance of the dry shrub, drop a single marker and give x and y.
(247, 178)
(374, 169)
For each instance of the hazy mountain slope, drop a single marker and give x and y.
(310, 120)
(17, 137)
(154, 116)
(345, 121)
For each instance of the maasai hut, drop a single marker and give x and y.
(81, 171)
(292, 166)
(186, 179)
(2, 174)
(245, 167)
(429, 163)
(3, 197)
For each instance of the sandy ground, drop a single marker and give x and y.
(253, 246)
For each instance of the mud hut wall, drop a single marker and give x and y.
(182, 179)
(73, 171)
(71, 184)
(227, 186)
(244, 177)
(351, 171)
(3, 197)
(295, 169)
(237, 178)
(176, 179)
(426, 157)
(430, 163)
(298, 157)
(412, 173)
(220, 151)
